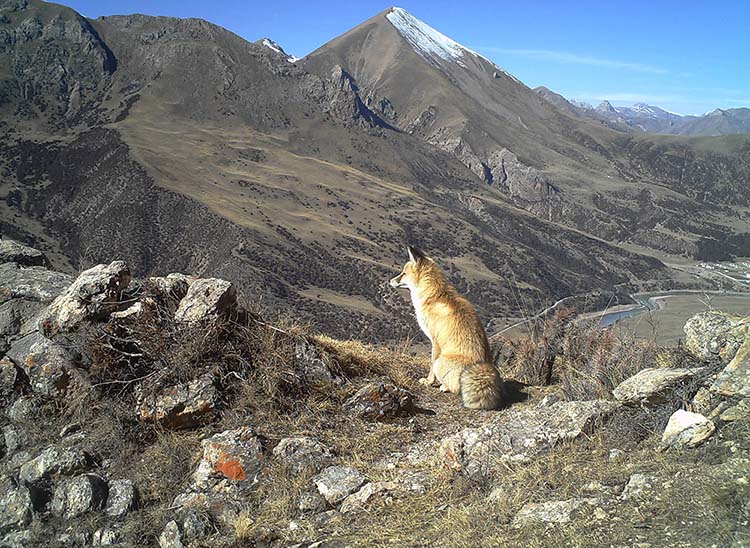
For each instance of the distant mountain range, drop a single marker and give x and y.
(653, 119)
(178, 145)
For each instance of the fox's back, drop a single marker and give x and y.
(454, 326)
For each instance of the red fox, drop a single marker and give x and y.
(461, 358)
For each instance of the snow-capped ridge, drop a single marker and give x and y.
(273, 45)
(430, 43)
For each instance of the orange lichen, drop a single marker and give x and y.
(231, 468)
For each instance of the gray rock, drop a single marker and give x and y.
(76, 496)
(47, 366)
(195, 526)
(17, 539)
(521, 434)
(55, 460)
(17, 317)
(651, 385)
(171, 537)
(14, 438)
(182, 405)
(8, 378)
(311, 502)
(172, 286)
(358, 501)
(122, 498)
(302, 452)
(639, 486)
(377, 401)
(92, 296)
(686, 429)
(207, 298)
(734, 380)
(310, 362)
(716, 334)
(230, 459)
(335, 483)
(740, 411)
(15, 252)
(32, 284)
(104, 537)
(553, 512)
(15, 505)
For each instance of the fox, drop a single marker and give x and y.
(461, 359)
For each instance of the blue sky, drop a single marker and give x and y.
(687, 56)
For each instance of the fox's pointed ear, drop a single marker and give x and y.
(415, 254)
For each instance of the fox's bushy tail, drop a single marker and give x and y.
(481, 386)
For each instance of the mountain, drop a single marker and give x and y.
(177, 145)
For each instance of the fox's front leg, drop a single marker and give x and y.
(431, 379)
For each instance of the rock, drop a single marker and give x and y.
(734, 380)
(376, 401)
(76, 496)
(715, 333)
(686, 429)
(122, 498)
(302, 452)
(206, 298)
(92, 296)
(311, 502)
(17, 317)
(8, 378)
(104, 537)
(617, 454)
(651, 385)
(357, 502)
(233, 456)
(639, 486)
(195, 526)
(15, 252)
(182, 405)
(521, 434)
(741, 411)
(15, 505)
(35, 283)
(22, 409)
(553, 512)
(47, 366)
(54, 460)
(311, 363)
(171, 537)
(134, 311)
(326, 518)
(17, 539)
(14, 438)
(703, 401)
(335, 483)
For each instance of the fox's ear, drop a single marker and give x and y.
(415, 254)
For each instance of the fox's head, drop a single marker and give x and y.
(410, 275)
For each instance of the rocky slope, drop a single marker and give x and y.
(161, 412)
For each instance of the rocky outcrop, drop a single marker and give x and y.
(651, 385)
(206, 299)
(15, 252)
(716, 334)
(734, 380)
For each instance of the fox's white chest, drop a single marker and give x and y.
(421, 320)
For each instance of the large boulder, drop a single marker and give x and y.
(15, 252)
(47, 365)
(92, 296)
(32, 284)
(715, 333)
(207, 298)
(76, 496)
(734, 380)
(55, 460)
(520, 434)
(686, 429)
(181, 405)
(122, 498)
(651, 385)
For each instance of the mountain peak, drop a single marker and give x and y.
(605, 106)
(275, 46)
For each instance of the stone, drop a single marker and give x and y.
(734, 380)
(715, 333)
(171, 537)
(15, 505)
(122, 498)
(17, 317)
(738, 412)
(55, 460)
(686, 429)
(22, 409)
(47, 366)
(300, 453)
(34, 283)
(519, 435)
(335, 483)
(206, 298)
(92, 296)
(8, 378)
(172, 286)
(358, 501)
(14, 438)
(311, 502)
(703, 401)
(233, 456)
(182, 405)
(17, 539)
(617, 454)
(651, 385)
(378, 401)
(76, 496)
(15, 252)
(195, 526)
(639, 486)
(104, 537)
(134, 311)
(311, 363)
(553, 512)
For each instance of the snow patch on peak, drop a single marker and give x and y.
(272, 45)
(430, 43)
